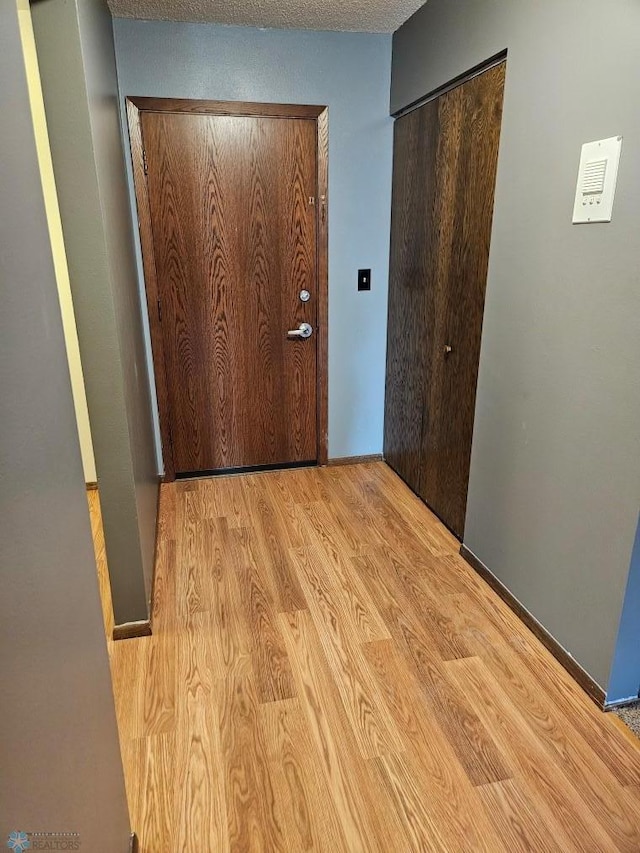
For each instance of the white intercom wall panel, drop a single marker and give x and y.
(597, 178)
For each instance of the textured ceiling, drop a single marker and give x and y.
(371, 16)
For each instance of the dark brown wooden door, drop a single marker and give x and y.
(233, 216)
(445, 158)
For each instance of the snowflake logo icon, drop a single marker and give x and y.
(18, 842)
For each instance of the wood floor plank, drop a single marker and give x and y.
(225, 497)
(271, 539)
(624, 733)
(420, 713)
(450, 641)
(191, 581)
(403, 511)
(252, 817)
(306, 809)
(471, 739)
(232, 635)
(632, 793)
(271, 668)
(363, 613)
(334, 528)
(126, 660)
(197, 670)
(519, 824)
(200, 801)
(360, 608)
(422, 828)
(160, 685)
(350, 491)
(566, 747)
(459, 723)
(167, 511)
(530, 677)
(308, 485)
(400, 612)
(153, 811)
(557, 795)
(281, 498)
(199, 804)
(454, 813)
(440, 575)
(132, 752)
(363, 703)
(144, 681)
(163, 606)
(367, 825)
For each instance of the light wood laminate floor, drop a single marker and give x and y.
(327, 674)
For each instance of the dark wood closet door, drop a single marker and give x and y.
(445, 162)
(234, 234)
(411, 290)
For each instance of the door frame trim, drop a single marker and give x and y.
(320, 114)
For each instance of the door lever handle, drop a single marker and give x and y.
(304, 330)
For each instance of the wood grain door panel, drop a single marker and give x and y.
(411, 293)
(234, 240)
(472, 113)
(445, 160)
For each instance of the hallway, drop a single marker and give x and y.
(326, 673)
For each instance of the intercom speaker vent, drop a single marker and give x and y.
(593, 180)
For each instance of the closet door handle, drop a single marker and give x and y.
(447, 349)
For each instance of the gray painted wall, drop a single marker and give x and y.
(555, 469)
(77, 64)
(59, 751)
(350, 73)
